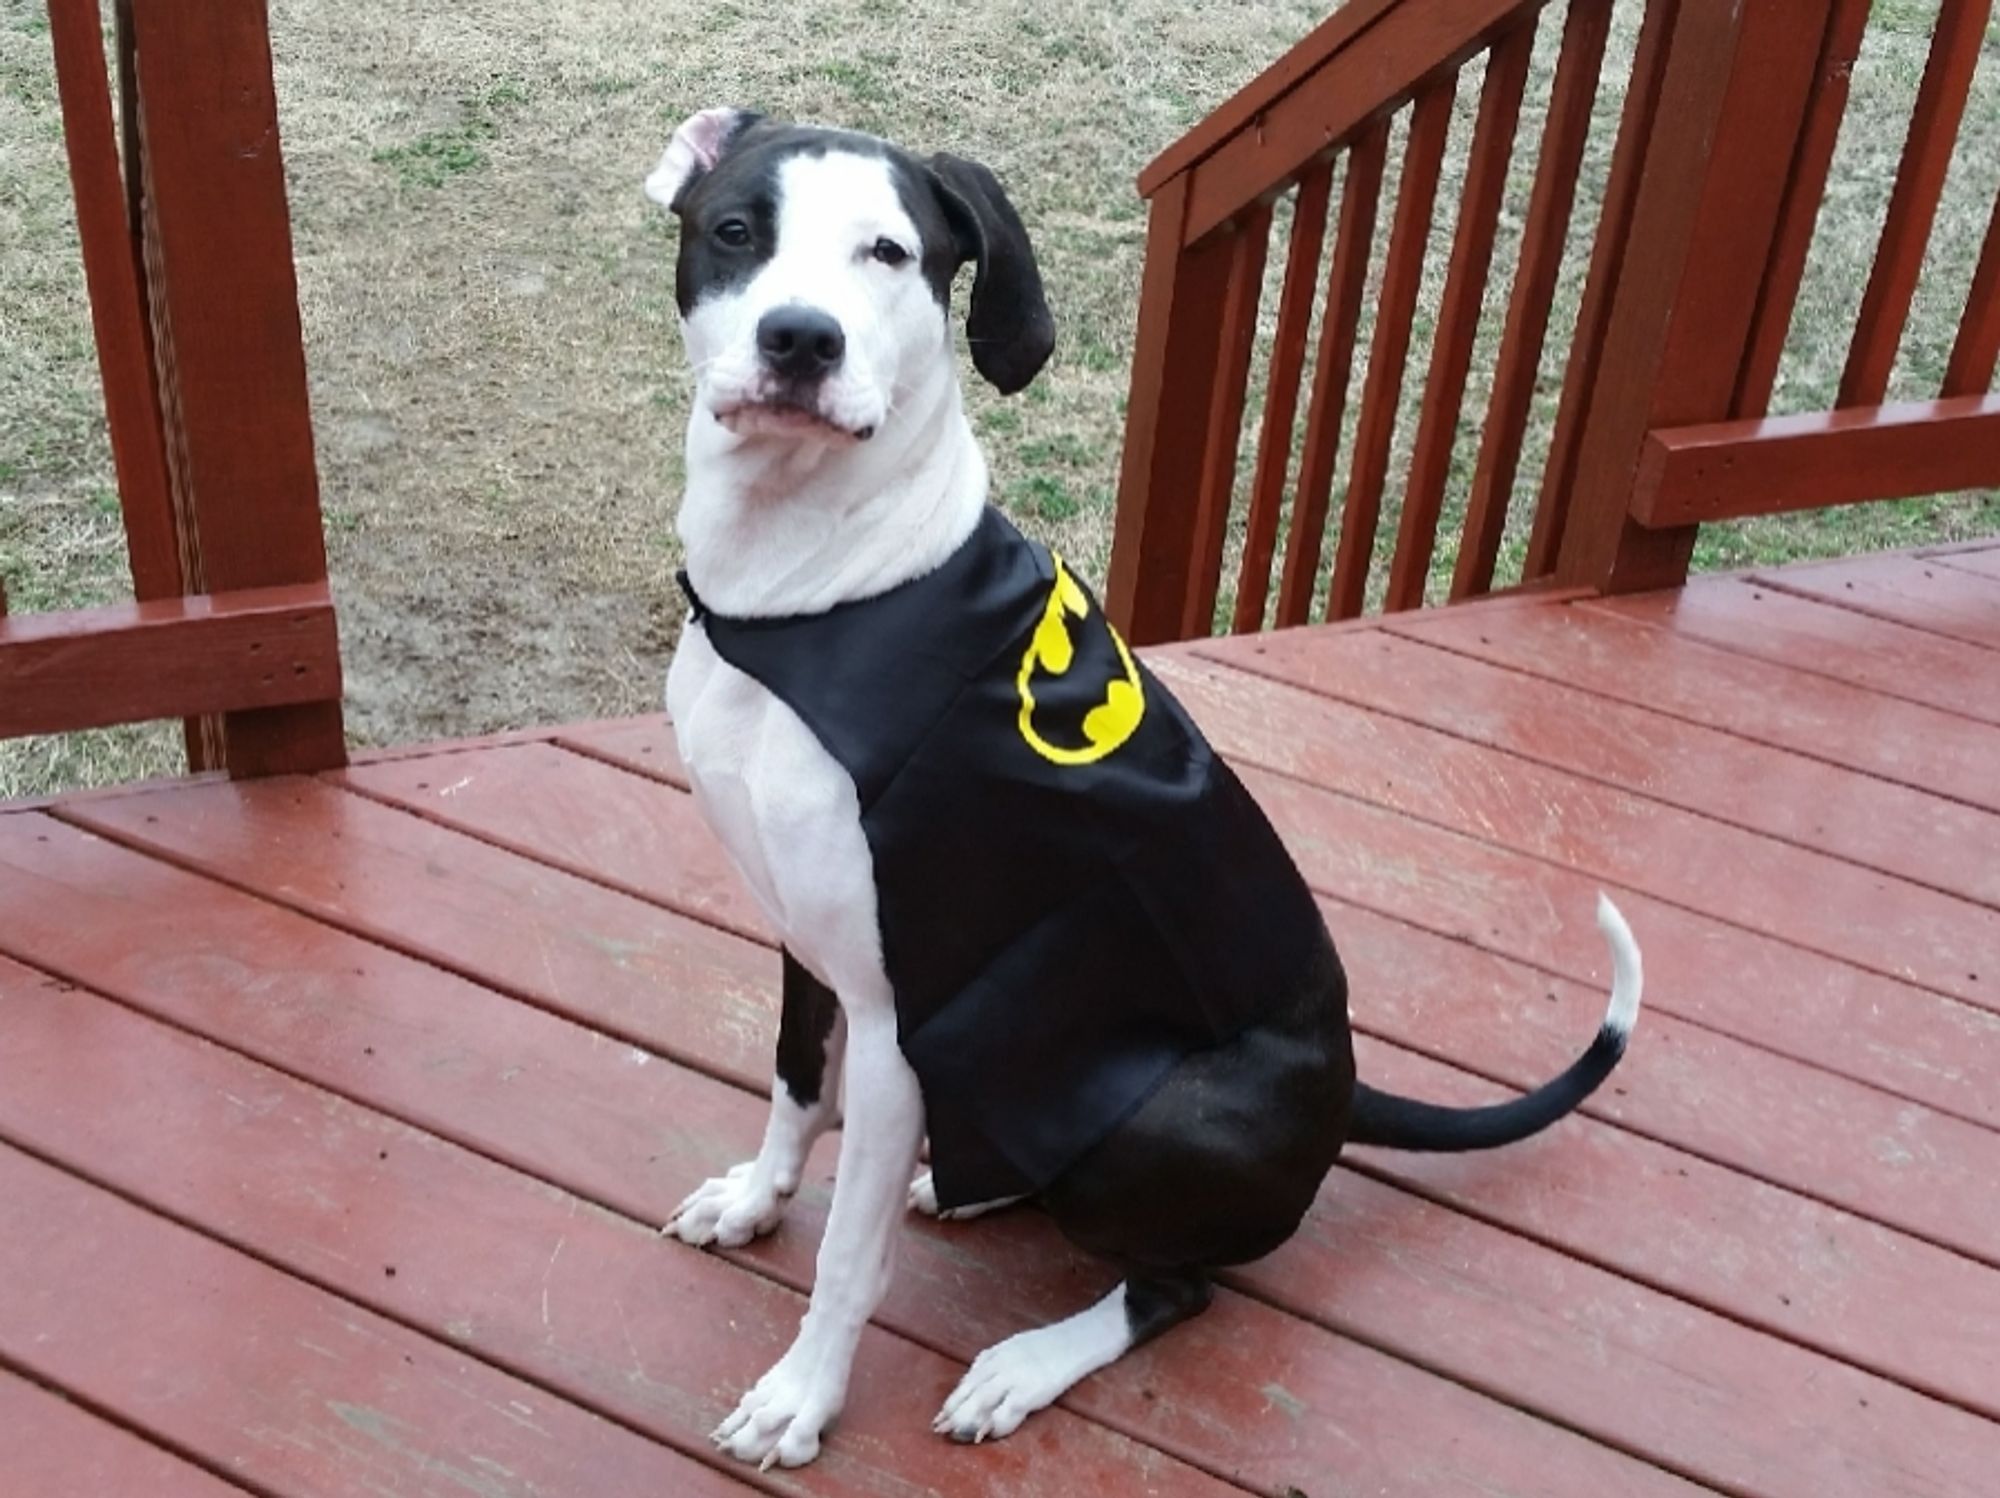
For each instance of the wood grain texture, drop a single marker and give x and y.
(589, 1306)
(127, 663)
(1333, 368)
(1544, 238)
(1281, 398)
(1739, 615)
(1370, 1258)
(1906, 227)
(1728, 470)
(1862, 819)
(1873, 1029)
(1913, 591)
(1402, 279)
(296, 1391)
(1907, 742)
(1806, 899)
(57, 1449)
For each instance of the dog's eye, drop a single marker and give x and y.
(732, 232)
(889, 252)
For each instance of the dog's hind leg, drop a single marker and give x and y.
(750, 1200)
(924, 1202)
(1012, 1379)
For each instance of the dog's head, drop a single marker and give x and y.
(815, 273)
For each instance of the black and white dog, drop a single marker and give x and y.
(1023, 906)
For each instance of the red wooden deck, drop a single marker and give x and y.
(336, 1114)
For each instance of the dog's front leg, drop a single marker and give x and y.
(780, 1420)
(750, 1200)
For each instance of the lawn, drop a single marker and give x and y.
(497, 387)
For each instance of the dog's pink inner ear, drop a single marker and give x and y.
(696, 146)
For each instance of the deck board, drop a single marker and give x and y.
(1737, 614)
(1726, 1219)
(74, 1454)
(1925, 1174)
(1910, 743)
(1877, 824)
(1920, 592)
(482, 1011)
(591, 1307)
(1806, 899)
(260, 1374)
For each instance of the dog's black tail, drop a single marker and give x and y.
(1402, 1123)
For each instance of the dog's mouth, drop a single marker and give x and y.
(781, 416)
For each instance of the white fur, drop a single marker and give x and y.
(1012, 1379)
(695, 147)
(924, 1202)
(1628, 978)
(776, 523)
(832, 210)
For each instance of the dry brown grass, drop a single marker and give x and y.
(495, 371)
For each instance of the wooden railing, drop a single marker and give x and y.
(188, 259)
(1702, 229)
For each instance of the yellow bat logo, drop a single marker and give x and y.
(1052, 650)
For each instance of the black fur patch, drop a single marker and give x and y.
(804, 1023)
(961, 215)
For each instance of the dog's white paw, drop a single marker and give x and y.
(779, 1422)
(1007, 1383)
(729, 1210)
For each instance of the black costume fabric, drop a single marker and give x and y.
(1074, 891)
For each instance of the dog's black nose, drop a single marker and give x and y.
(800, 343)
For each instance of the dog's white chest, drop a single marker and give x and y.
(783, 807)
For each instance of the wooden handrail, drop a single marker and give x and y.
(1724, 145)
(188, 258)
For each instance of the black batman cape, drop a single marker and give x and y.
(1074, 891)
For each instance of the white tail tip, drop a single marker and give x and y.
(1628, 978)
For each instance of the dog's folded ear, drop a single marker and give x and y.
(697, 145)
(1008, 326)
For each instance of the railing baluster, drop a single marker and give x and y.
(1458, 322)
(1281, 396)
(1899, 256)
(1564, 134)
(1607, 257)
(1977, 346)
(1360, 195)
(1804, 189)
(1225, 416)
(124, 362)
(1402, 276)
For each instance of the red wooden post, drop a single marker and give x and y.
(1732, 103)
(1175, 368)
(230, 355)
